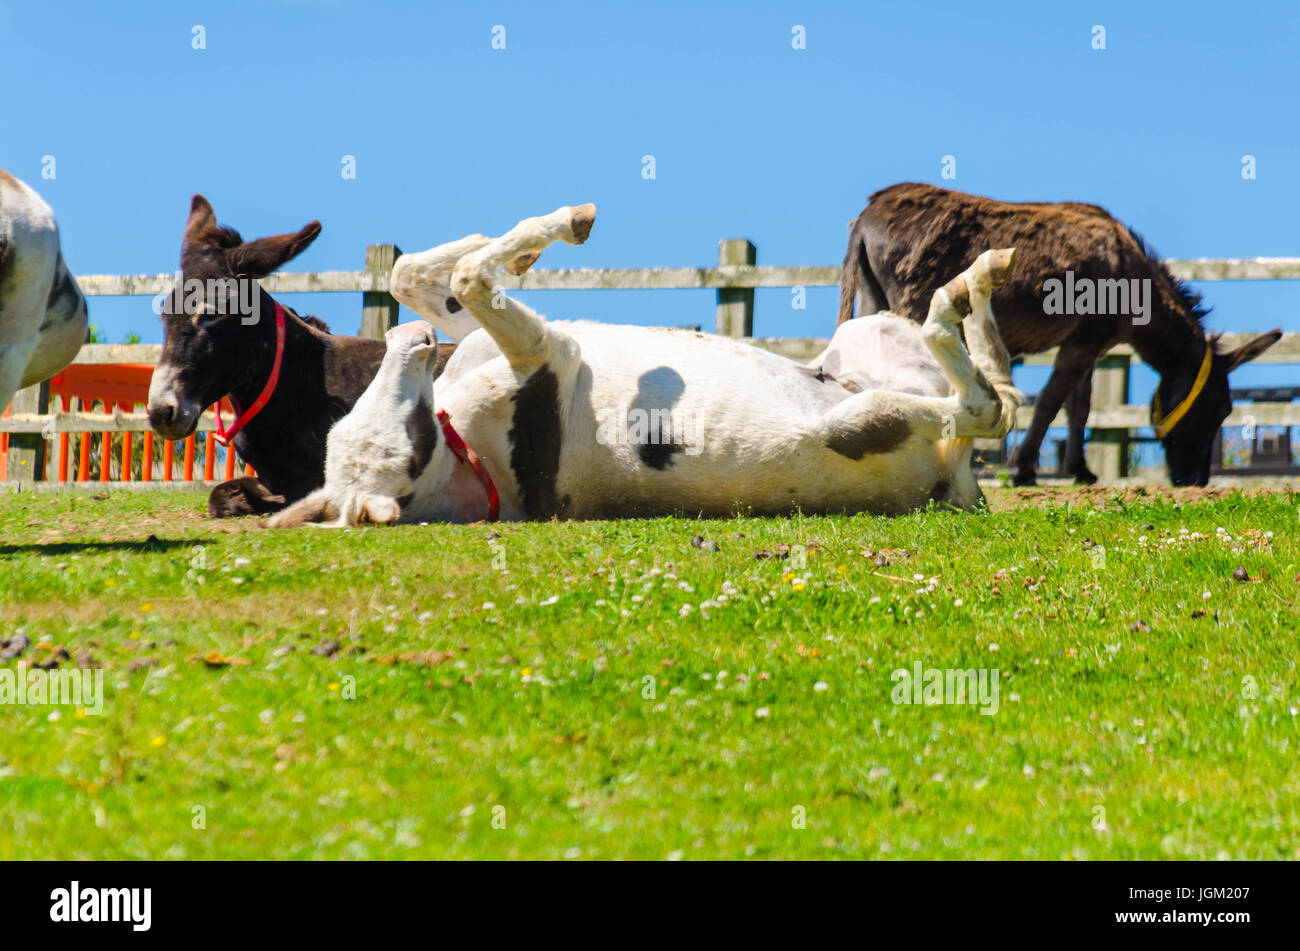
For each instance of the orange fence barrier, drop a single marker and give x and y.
(126, 387)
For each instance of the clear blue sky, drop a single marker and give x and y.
(751, 138)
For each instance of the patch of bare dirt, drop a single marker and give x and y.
(1098, 496)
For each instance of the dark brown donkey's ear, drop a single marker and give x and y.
(203, 220)
(259, 258)
(1252, 348)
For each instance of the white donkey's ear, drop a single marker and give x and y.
(378, 510)
(317, 507)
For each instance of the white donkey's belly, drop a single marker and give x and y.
(800, 475)
(654, 421)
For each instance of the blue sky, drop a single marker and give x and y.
(751, 138)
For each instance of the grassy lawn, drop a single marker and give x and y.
(610, 690)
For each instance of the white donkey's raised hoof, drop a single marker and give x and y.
(42, 311)
(587, 420)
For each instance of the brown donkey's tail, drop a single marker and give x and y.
(849, 279)
(858, 281)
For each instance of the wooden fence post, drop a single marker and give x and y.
(379, 308)
(27, 450)
(736, 304)
(1108, 448)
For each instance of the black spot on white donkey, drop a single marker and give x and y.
(569, 417)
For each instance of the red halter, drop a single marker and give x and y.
(470, 457)
(224, 435)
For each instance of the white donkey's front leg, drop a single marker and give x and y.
(416, 281)
(520, 332)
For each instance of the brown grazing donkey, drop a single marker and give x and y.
(1083, 283)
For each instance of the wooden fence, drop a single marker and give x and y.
(734, 279)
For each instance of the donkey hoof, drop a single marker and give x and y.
(1001, 263)
(580, 222)
(1084, 476)
(958, 294)
(523, 262)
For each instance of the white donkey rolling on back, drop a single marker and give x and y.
(555, 410)
(42, 311)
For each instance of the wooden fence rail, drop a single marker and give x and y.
(734, 279)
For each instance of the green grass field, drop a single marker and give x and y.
(609, 690)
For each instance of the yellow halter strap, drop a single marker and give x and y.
(1163, 424)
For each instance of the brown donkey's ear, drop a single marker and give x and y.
(259, 258)
(202, 221)
(1252, 348)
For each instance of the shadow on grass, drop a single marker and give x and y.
(150, 544)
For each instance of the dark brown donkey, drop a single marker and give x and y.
(221, 338)
(911, 237)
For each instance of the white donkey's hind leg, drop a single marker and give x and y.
(520, 332)
(987, 398)
(989, 354)
(880, 421)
